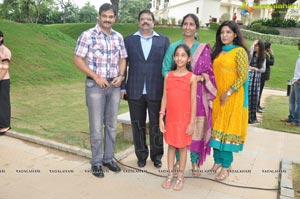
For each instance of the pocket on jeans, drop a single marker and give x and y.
(90, 83)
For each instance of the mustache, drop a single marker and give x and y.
(146, 24)
(107, 22)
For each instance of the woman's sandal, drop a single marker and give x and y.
(215, 168)
(196, 170)
(179, 184)
(224, 173)
(168, 182)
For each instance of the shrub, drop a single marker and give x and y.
(213, 26)
(269, 30)
(225, 17)
(277, 22)
(255, 27)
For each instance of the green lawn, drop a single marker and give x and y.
(276, 108)
(47, 90)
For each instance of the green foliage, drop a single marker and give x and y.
(88, 13)
(213, 25)
(272, 38)
(225, 17)
(269, 30)
(277, 22)
(129, 10)
(258, 27)
(46, 11)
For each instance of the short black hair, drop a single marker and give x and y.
(1, 34)
(147, 12)
(107, 6)
(267, 45)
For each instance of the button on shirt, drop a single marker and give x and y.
(102, 52)
(146, 43)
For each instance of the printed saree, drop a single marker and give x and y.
(206, 93)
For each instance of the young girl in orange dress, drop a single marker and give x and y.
(179, 106)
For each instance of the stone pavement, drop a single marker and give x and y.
(33, 171)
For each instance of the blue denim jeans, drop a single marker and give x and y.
(103, 106)
(294, 115)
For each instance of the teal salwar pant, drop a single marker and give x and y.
(194, 157)
(225, 158)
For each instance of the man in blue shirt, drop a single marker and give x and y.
(144, 87)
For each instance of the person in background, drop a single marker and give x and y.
(105, 60)
(206, 89)
(266, 75)
(234, 17)
(144, 87)
(5, 108)
(180, 112)
(256, 68)
(230, 108)
(294, 100)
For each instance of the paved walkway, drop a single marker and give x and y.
(33, 171)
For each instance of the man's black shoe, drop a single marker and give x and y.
(141, 163)
(112, 166)
(97, 171)
(157, 164)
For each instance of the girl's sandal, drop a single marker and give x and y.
(178, 185)
(168, 182)
(224, 173)
(196, 170)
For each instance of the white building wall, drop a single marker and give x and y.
(178, 9)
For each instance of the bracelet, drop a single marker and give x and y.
(163, 113)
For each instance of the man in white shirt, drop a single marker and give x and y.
(294, 101)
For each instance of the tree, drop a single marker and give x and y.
(88, 13)
(281, 12)
(115, 3)
(129, 10)
(69, 10)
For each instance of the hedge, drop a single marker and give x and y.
(248, 34)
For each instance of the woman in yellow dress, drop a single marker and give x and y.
(230, 108)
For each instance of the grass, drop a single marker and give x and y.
(296, 180)
(47, 89)
(277, 108)
(57, 112)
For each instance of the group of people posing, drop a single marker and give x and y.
(196, 97)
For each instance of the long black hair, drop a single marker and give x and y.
(238, 40)
(188, 52)
(261, 54)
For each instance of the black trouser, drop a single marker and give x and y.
(138, 112)
(4, 103)
(262, 85)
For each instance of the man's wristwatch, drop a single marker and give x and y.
(121, 75)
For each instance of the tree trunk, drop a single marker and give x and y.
(115, 3)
